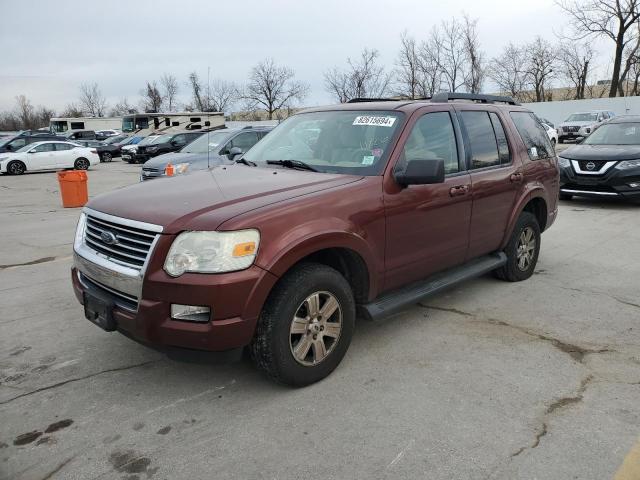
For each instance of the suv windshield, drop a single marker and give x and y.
(351, 142)
(206, 143)
(615, 134)
(582, 117)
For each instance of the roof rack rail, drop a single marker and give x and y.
(477, 97)
(363, 100)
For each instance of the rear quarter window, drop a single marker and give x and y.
(533, 135)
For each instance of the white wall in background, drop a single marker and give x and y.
(557, 112)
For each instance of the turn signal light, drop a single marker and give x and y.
(244, 249)
(168, 170)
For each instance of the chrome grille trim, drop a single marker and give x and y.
(122, 300)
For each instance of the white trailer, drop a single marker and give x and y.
(63, 125)
(144, 124)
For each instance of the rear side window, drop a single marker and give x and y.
(63, 146)
(482, 139)
(533, 135)
(503, 144)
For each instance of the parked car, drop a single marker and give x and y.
(16, 142)
(114, 145)
(606, 164)
(551, 132)
(104, 134)
(208, 150)
(395, 200)
(48, 155)
(80, 135)
(580, 125)
(128, 152)
(168, 142)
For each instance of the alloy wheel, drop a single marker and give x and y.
(315, 328)
(526, 249)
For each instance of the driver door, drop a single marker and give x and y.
(427, 226)
(41, 157)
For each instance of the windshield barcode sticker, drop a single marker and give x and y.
(376, 121)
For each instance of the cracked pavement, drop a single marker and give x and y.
(489, 380)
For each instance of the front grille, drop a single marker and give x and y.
(589, 188)
(121, 299)
(131, 246)
(572, 129)
(598, 165)
(149, 173)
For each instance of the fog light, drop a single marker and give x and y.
(190, 313)
(634, 185)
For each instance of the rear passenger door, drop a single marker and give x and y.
(496, 177)
(427, 226)
(64, 155)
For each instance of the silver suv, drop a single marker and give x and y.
(582, 124)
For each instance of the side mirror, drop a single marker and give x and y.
(234, 152)
(32, 151)
(421, 172)
(9, 148)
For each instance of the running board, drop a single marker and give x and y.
(397, 300)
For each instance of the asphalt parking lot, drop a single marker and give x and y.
(490, 380)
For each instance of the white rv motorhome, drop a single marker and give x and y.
(63, 125)
(144, 124)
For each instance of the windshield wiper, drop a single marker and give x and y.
(292, 164)
(246, 162)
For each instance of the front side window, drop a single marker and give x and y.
(615, 134)
(127, 124)
(482, 139)
(206, 143)
(432, 138)
(533, 135)
(44, 147)
(343, 141)
(243, 141)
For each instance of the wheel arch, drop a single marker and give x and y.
(535, 203)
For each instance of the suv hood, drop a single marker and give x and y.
(577, 124)
(602, 152)
(205, 199)
(178, 157)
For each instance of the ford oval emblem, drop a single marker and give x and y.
(108, 237)
(591, 166)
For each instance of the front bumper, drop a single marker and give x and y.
(611, 184)
(143, 311)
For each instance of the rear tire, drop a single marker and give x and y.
(16, 167)
(106, 157)
(81, 164)
(294, 344)
(522, 250)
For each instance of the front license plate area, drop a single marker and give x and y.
(99, 311)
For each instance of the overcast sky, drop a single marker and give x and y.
(47, 49)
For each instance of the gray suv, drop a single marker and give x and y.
(582, 124)
(210, 149)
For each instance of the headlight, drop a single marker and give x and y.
(82, 221)
(212, 252)
(628, 164)
(564, 162)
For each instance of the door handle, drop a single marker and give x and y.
(459, 190)
(516, 177)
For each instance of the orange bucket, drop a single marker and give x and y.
(73, 188)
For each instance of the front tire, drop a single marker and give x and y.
(305, 327)
(16, 167)
(81, 164)
(106, 157)
(522, 250)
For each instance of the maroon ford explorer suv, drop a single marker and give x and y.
(363, 207)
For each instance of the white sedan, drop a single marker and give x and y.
(48, 156)
(551, 132)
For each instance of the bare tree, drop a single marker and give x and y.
(408, 73)
(575, 64)
(222, 95)
(273, 87)
(611, 19)
(508, 71)
(151, 98)
(24, 111)
(539, 68)
(122, 108)
(72, 111)
(197, 93)
(42, 116)
(449, 40)
(475, 74)
(631, 57)
(364, 78)
(92, 100)
(169, 85)
(429, 61)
